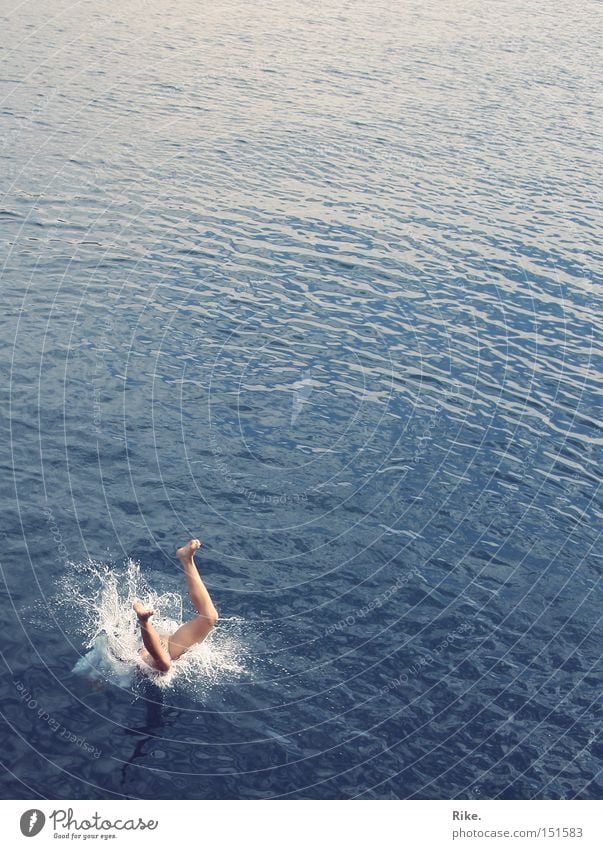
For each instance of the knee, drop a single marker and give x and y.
(209, 617)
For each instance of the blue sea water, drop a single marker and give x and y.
(315, 282)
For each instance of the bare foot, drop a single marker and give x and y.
(187, 552)
(142, 612)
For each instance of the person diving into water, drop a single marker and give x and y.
(160, 650)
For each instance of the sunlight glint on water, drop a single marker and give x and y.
(97, 600)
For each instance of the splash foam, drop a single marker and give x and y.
(97, 599)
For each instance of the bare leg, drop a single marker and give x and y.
(198, 628)
(150, 638)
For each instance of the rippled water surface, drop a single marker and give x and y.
(314, 282)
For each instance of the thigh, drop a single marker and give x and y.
(188, 635)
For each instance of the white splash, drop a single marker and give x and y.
(97, 599)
